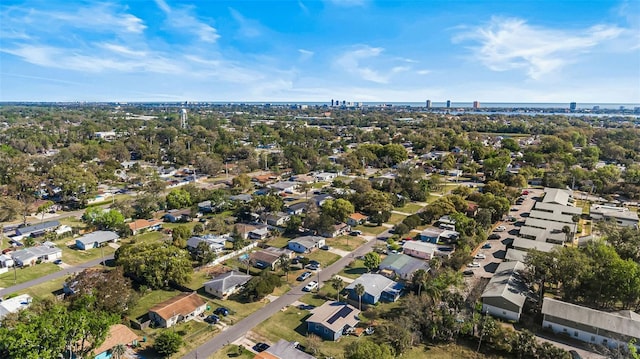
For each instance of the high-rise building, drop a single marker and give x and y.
(332, 102)
(476, 105)
(428, 103)
(183, 118)
(448, 103)
(573, 106)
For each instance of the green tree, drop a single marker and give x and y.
(338, 209)
(178, 198)
(365, 349)
(338, 284)
(203, 253)
(118, 351)
(180, 235)
(293, 225)
(168, 343)
(155, 264)
(285, 264)
(102, 290)
(419, 278)
(242, 182)
(372, 261)
(44, 208)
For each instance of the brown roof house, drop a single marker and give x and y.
(118, 334)
(181, 308)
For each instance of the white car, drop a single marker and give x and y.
(479, 256)
(473, 265)
(311, 286)
(500, 229)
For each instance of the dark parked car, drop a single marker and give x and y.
(303, 276)
(467, 273)
(486, 246)
(574, 354)
(212, 319)
(494, 236)
(57, 261)
(260, 347)
(221, 311)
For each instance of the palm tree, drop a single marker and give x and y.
(118, 351)
(337, 283)
(419, 278)
(285, 264)
(567, 232)
(359, 290)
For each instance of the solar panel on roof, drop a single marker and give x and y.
(342, 313)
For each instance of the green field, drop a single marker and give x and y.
(409, 208)
(396, 218)
(21, 275)
(76, 256)
(346, 243)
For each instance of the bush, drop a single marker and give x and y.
(168, 342)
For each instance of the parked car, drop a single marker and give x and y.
(494, 236)
(524, 193)
(500, 229)
(574, 354)
(260, 347)
(355, 233)
(311, 286)
(473, 265)
(57, 261)
(313, 266)
(221, 311)
(302, 277)
(212, 319)
(467, 273)
(479, 256)
(486, 246)
(325, 247)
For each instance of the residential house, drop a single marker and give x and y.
(145, 225)
(422, 250)
(304, 179)
(337, 230)
(297, 208)
(515, 255)
(36, 230)
(401, 266)
(278, 219)
(435, 235)
(330, 320)
(356, 219)
(13, 305)
(224, 285)
(284, 186)
(177, 215)
(264, 259)
(181, 308)
(325, 176)
(558, 196)
(259, 233)
(208, 207)
(283, 350)
(376, 288)
(243, 198)
(306, 244)
(96, 239)
(321, 199)
(506, 293)
(118, 335)
(472, 210)
(6, 262)
(613, 330)
(216, 243)
(620, 215)
(30, 256)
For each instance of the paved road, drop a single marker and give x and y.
(63, 273)
(242, 327)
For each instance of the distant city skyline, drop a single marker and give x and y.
(314, 51)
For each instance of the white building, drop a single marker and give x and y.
(12, 305)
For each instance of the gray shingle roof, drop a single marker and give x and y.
(507, 284)
(38, 227)
(227, 280)
(374, 284)
(403, 264)
(326, 312)
(526, 244)
(628, 325)
(98, 237)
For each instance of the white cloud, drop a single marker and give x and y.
(182, 19)
(350, 61)
(423, 72)
(123, 50)
(510, 43)
(305, 54)
(248, 28)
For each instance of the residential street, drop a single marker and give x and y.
(238, 330)
(62, 273)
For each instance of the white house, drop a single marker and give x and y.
(505, 294)
(6, 262)
(96, 239)
(417, 249)
(306, 244)
(621, 215)
(592, 326)
(325, 176)
(226, 284)
(216, 243)
(30, 256)
(12, 305)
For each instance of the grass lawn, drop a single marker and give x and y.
(346, 243)
(148, 237)
(325, 258)
(354, 270)
(150, 299)
(370, 229)
(45, 290)
(26, 274)
(231, 351)
(279, 242)
(396, 218)
(410, 208)
(432, 198)
(72, 222)
(318, 185)
(197, 280)
(77, 256)
(445, 351)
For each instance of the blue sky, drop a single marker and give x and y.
(318, 50)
